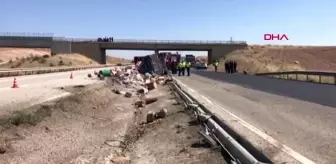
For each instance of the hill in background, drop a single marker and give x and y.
(258, 59)
(38, 57)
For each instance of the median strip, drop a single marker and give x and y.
(32, 71)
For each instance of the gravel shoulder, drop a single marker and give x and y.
(172, 140)
(96, 125)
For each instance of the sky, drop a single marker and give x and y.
(304, 22)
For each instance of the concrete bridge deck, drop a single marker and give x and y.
(96, 50)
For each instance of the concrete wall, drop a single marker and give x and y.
(90, 50)
(61, 47)
(25, 42)
(220, 51)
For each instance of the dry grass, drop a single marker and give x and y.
(27, 117)
(7, 54)
(50, 61)
(271, 58)
(29, 57)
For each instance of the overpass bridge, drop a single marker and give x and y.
(97, 50)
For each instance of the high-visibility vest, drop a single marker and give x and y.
(181, 65)
(216, 64)
(188, 65)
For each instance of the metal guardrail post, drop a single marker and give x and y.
(236, 151)
(319, 78)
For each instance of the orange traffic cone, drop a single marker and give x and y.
(71, 77)
(15, 85)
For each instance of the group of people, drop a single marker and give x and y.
(182, 66)
(105, 39)
(230, 66)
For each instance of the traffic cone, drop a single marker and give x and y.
(15, 85)
(71, 77)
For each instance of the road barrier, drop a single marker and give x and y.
(237, 151)
(32, 71)
(309, 76)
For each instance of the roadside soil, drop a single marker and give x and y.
(172, 140)
(41, 57)
(95, 125)
(274, 58)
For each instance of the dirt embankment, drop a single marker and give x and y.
(39, 57)
(97, 124)
(258, 59)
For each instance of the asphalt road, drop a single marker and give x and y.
(299, 115)
(34, 89)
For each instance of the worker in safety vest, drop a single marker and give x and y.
(182, 66)
(215, 64)
(188, 65)
(179, 67)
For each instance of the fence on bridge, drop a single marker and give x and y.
(35, 35)
(26, 34)
(309, 76)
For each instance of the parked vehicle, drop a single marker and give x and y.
(191, 58)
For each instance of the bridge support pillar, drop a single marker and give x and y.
(218, 52)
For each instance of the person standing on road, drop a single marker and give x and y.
(173, 67)
(183, 65)
(234, 66)
(230, 66)
(226, 66)
(179, 68)
(188, 65)
(215, 64)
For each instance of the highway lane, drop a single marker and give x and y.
(34, 89)
(318, 93)
(306, 127)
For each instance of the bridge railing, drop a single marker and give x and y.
(323, 77)
(150, 41)
(26, 34)
(119, 40)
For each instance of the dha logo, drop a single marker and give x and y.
(275, 36)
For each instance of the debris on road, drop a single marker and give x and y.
(150, 116)
(121, 160)
(150, 100)
(122, 121)
(162, 113)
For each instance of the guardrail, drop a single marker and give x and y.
(217, 132)
(309, 76)
(9, 73)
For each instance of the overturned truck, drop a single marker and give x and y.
(151, 64)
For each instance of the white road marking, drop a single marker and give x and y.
(263, 135)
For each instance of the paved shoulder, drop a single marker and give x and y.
(316, 93)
